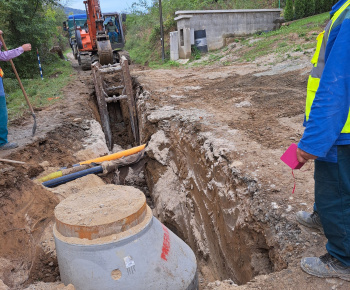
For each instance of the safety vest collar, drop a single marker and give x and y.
(318, 61)
(337, 14)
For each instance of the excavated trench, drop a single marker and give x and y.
(205, 200)
(190, 184)
(194, 191)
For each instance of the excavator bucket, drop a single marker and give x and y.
(105, 52)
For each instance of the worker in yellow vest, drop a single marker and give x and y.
(326, 140)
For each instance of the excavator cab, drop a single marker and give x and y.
(118, 40)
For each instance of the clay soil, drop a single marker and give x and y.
(258, 115)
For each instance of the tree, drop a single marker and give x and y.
(318, 6)
(30, 21)
(327, 5)
(309, 7)
(299, 8)
(289, 11)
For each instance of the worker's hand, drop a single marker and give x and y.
(0, 32)
(303, 156)
(27, 47)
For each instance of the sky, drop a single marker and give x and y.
(106, 5)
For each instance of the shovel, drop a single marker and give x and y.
(23, 90)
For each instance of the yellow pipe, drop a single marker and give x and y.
(51, 176)
(116, 155)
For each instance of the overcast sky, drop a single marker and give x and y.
(106, 5)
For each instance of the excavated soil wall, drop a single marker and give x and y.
(200, 195)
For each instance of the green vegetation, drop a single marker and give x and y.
(289, 11)
(309, 8)
(38, 22)
(41, 93)
(299, 9)
(277, 41)
(143, 30)
(304, 8)
(196, 54)
(318, 6)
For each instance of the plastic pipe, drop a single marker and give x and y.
(63, 172)
(116, 155)
(53, 175)
(73, 176)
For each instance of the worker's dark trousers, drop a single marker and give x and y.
(113, 36)
(3, 115)
(332, 197)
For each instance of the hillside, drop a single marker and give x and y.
(143, 28)
(70, 11)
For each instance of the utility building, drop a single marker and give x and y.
(219, 26)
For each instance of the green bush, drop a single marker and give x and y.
(319, 6)
(327, 5)
(310, 7)
(289, 11)
(299, 8)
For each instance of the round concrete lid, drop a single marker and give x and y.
(100, 211)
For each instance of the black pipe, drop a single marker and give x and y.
(64, 179)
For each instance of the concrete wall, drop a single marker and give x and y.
(184, 35)
(174, 45)
(220, 24)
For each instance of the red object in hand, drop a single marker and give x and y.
(290, 157)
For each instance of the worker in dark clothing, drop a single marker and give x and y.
(6, 56)
(326, 140)
(112, 31)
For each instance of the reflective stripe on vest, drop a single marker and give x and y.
(318, 61)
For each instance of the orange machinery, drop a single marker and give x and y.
(92, 41)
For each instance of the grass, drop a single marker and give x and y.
(167, 64)
(277, 41)
(41, 93)
(299, 36)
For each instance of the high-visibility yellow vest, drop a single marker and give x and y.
(318, 62)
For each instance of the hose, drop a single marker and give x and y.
(70, 177)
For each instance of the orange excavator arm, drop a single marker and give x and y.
(94, 20)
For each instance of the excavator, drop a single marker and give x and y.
(93, 44)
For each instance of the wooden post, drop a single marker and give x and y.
(131, 100)
(102, 105)
(12, 161)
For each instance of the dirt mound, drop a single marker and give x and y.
(27, 251)
(26, 209)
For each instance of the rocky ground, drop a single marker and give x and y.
(213, 174)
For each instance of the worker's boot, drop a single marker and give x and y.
(311, 220)
(8, 146)
(325, 266)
